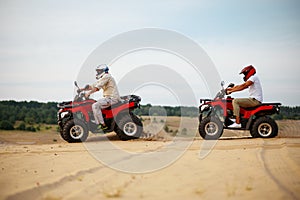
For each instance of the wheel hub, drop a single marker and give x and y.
(211, 128)
(264, 129)
(130, 128)
(76, 132)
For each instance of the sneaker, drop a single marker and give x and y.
(102, 127)
(235, 125)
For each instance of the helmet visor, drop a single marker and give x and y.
(99, 71)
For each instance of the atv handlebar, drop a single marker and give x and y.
(221, 94)
(80, 92)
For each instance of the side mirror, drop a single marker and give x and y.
(222, 83)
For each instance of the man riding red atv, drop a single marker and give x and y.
(240, 113)
(76, 118)
(110, 113)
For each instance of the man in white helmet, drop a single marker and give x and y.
(110, 93)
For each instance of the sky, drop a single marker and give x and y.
(44, 44)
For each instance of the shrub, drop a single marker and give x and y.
(22, 127)
(30, 128)
(166, 128)
(184, 131)
(6, 125)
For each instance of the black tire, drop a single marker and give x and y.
(264, 127)
(74, 131)
(61, 132)
(129, 127)
(211, 128)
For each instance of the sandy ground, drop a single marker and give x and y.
(43, 166)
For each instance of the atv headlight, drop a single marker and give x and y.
(63, 114)
(204, 108)
(278, 110)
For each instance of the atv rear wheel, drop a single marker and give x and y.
(129, 127)
(211, 128)
(74, 131)
(264, 127)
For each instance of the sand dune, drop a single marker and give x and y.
(45, 167)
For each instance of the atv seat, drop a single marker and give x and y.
(114, 105)
(263, 104)
(272, 104)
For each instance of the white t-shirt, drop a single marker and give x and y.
(255, 90)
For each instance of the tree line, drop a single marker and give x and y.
(33, 112)
(185, 111)
(287, 112)
(28, 113)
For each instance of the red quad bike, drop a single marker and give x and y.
(217, 114)
(76, 119)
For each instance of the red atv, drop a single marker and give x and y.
(217, 114)
(76, 119)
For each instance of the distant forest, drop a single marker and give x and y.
(24, 115)
(27, 114)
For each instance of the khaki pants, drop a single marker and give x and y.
(102, 103)
(243, 102)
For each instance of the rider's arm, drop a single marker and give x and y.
(87, 87)
(98, 85)
(93, 90)
(240, 87)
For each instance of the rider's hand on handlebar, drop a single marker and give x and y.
(228, 91)
(87, 95)
(87, 87)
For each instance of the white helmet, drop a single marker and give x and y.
(101, 70)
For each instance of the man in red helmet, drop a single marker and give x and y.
(255, 93)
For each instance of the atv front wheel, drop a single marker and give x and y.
(129, 127)
(74, 131)
(211, 128)
(264, 127)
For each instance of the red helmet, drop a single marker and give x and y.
(248, 71)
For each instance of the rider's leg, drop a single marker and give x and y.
(236, 110)
(97, 110)
(242, 102)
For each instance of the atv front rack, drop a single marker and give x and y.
(205, 100)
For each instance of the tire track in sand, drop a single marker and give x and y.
(282, 169)
(39, 191)
(72, 186)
